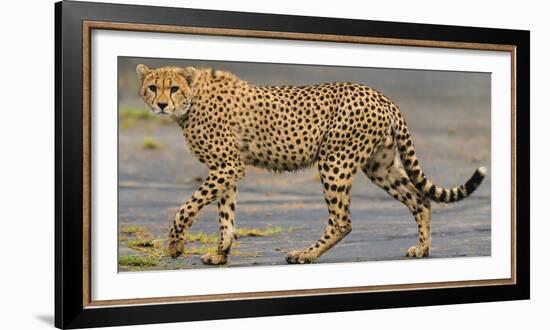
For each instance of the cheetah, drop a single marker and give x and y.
(341, 127)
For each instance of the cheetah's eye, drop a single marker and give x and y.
(153, 88)
(174, 89)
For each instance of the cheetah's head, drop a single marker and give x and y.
(166, 90)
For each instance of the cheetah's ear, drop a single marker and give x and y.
(142, 70)
(188, 73)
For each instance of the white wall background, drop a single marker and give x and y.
(27, 162)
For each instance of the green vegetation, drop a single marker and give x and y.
(129, 117)
(201, 249)
(137, 261)
(201, 237)
(152, 250)
(131, 229)
(150, 142)
(146, 243)
(127, 123)
(138, 238)
(136, 114)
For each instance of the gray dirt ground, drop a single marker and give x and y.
(452, 137)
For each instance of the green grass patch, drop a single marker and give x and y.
(151, 250)
(146, 243)
(201, 249)
(259, 232)
(201, 237)
(127, 123)
(150, 142)
(136, 114)
(137, 261)
(132, 229)
(129, 117)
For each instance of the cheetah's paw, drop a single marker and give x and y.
(299, 257)
(417, 251)
(214, 259)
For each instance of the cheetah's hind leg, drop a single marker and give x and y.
(385, 171)
(337, 185)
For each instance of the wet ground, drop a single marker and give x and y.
(451, 140)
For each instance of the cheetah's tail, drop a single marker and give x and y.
(408, 157)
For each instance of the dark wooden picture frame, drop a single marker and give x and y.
(74, 22)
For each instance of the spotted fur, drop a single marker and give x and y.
(341, 127)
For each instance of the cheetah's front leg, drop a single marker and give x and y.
(226, 210)
(216, 185)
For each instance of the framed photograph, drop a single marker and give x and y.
(206, 164)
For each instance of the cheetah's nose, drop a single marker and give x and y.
(162, 105)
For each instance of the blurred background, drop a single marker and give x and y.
(448, 114)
